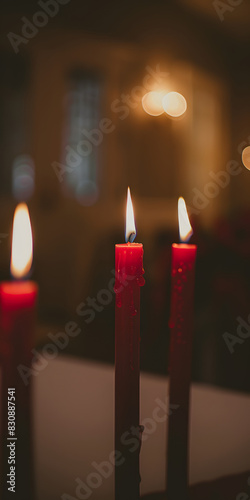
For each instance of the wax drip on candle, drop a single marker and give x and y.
(121, 279)
(140, 279)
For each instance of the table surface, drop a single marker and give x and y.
(73, 417)
(234, 487)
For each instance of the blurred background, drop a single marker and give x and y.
(76, 130)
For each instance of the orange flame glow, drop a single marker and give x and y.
(130, 232)
(185, 228)
(22, 242)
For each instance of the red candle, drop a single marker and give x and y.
(129, 279)
(181, 325)
(17, 303)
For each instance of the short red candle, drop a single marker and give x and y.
(17, 316)
(181, 325)
(129, 279)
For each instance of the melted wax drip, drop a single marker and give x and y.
(121, 280)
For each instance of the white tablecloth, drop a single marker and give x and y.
(73, 412)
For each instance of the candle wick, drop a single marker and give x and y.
(131, 237)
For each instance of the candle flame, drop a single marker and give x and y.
(130, 232)
(185, 228)
(22, 242)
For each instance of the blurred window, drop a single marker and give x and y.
(82, 137)
(14, 117)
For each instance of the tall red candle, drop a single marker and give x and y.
(17, 304)
(129, 279)
(181, 325)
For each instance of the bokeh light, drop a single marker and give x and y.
(152, 103)
(246, 157)
(174, 104)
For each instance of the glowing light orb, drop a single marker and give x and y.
(152, 103)
(246, 157)
(174, 104)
